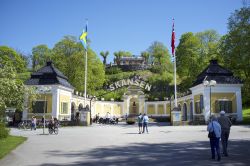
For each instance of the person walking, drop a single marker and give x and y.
(145, 123)
(140, 118)
(33, 123)
(214, 135)
(97, 118)
(226, 124)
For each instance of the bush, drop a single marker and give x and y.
(3, 131)
(113, 70)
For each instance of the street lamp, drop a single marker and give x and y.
(44, 90)
(210, 84)
(91, 109)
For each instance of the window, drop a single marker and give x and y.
(201, 102)
(223, 104)
(39, 106)
(64, 108)
(197, 107)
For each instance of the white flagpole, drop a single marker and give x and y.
(85, 78)
(175, 87)
(86, 68)
(174, 57)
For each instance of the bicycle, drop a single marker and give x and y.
(53, 129)
(24, 125)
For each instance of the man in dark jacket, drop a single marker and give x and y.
(225, 130)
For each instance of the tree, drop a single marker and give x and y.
(194, 53)
(145, 55)
(162, 72)
(26, 58)
(117, 58)
(69, 57)
(40, 55)
(12, 89)
(235, 48)
(158, 53)
(104, 55)
(208, 46)
(9, 57)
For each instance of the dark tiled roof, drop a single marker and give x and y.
(48, 75)
(216, 72)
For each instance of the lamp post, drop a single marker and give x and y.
(170, 110)
(209, 84)
(91, 110)
(44, 90)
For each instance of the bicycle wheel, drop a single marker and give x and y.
(50, 131)
(56, 130)
(28, 125)
(20, 125)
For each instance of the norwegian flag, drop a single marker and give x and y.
(173, 39)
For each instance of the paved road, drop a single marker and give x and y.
(121, 145)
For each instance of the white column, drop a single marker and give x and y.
(127, 105)
(102, 109)
(206, 98)
(26, 110)
(112, 109)
(165, 108)
(239, 105)
(141, 104)
(55, 102)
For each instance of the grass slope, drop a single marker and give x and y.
(10, 143)
(246, 116)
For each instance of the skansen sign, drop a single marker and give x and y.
(136, 81)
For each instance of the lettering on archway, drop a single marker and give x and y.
(136, 81)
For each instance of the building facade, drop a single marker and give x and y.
(62, 102)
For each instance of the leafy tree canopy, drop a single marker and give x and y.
(40, 55)
(12, 89)
(235, 48)
(193, 54)
(69, 57)
(9, 57)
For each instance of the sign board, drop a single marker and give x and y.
(176, 116)
(136, 81)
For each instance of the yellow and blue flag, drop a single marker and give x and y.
(83, 37)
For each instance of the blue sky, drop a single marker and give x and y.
(129, 25)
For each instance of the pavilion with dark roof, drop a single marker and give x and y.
(225, 92)
(56, 95)
(48, 75)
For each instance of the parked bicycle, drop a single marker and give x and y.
(26, 124)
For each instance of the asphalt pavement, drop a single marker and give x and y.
(111, 145)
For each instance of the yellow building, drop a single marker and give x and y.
(215, 86)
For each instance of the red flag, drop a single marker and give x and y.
(173, 39)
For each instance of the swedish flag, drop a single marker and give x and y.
(83, 37)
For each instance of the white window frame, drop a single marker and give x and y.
(62, 107)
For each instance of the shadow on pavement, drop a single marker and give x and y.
(188, 154)
(125, 125)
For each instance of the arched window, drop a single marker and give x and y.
(191, 111)
(80, 107)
